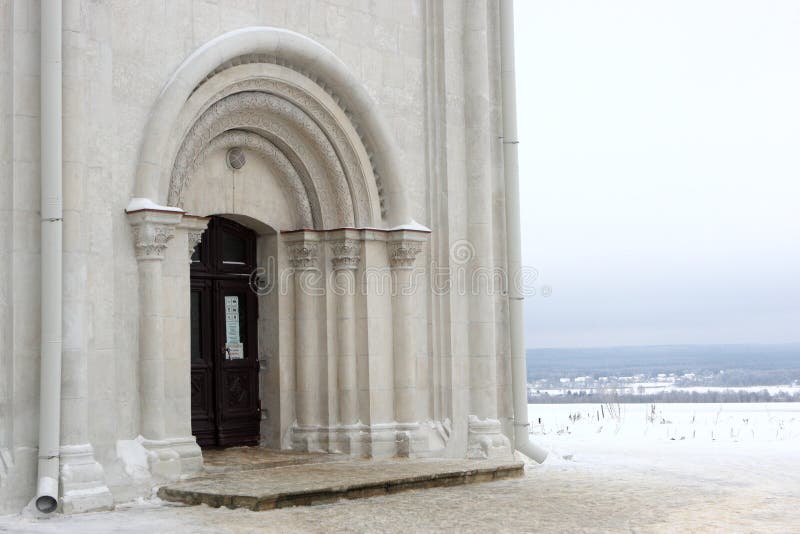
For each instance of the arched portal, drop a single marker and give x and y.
(266, 125)
(288, 72)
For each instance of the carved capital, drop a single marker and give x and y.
(304, 254)
(403, 254)
(346, 254)
(152, 230)
(195, 226)
(194, 237)
(151, 239)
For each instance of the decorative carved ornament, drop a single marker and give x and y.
(403, 254)
(346, 254)
(195, 236)
(150, 240)
(304, 254)
(306, 101)
(296, 189)
(284, 125)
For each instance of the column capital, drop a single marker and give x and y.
(194, 226)
(346, 254)
(403, 253)
(152, 230)
(404, 246)
(304, 254)
(303, 248)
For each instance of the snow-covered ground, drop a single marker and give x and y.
(631, 423)
(737, 469)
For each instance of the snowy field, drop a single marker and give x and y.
(630, 423)
(683, 467)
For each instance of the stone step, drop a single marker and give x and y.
(319, 483)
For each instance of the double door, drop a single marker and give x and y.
(224, 344)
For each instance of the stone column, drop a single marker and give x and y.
(404, 246)
(152, 230)
(304, 258)
(345, 260)
(485, 437)
(177, 369)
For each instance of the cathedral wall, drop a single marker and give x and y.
(19, 261)
(411, 58)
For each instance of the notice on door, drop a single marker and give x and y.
(234, 348)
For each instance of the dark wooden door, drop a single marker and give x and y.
(225, 399)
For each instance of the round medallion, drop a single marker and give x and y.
(236, 158)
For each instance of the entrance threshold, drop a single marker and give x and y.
(320, 483)
(233, 459)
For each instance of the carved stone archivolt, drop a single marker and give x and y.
(320, 115)
(305, 201)
(356, 176)
(323, 179)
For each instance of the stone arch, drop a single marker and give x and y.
(306, 204)
(225, 59)
(287, 128)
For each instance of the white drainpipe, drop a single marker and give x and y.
(50, 383)
(522, 441)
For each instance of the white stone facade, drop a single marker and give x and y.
(373, 176)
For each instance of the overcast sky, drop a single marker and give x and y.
(660, 170)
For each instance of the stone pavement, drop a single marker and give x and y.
(317, 483)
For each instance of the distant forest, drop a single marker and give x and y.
(665, 396)
(728, 365)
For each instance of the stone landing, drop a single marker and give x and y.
(303, 485)
(219, 461)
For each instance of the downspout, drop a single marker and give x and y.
(519, 384)
(51, 213)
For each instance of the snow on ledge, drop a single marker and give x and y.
(141, 204)
(413, 225)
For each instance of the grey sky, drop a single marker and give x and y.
(660, 170)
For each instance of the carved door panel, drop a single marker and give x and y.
(237, 404)
(224, 381)
(204, 415)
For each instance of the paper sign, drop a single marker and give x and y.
(232, 320)
(234, 351)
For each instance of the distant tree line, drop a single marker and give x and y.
(664, 396)
(718, 378)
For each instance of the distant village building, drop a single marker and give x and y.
(253, 223)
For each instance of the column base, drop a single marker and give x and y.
(383, 440)
(307, 439)
(190, 454)
(486, 439)
(83, 484)
(5, 464)
(347, 439)
(163, 461)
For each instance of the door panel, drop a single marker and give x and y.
(237, 370)
(202, 354)
(225, 399)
